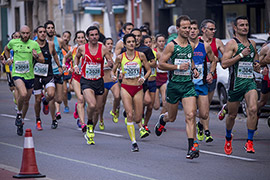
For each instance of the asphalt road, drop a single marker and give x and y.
(63, 154)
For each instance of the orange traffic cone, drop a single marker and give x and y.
(29, 167)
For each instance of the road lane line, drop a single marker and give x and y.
(83, 162)
(108, 134)
(14, 117)
(228, 156)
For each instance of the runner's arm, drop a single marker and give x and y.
(116, 65)
(107, 55)
(256, 62)
(77, 59)
(213, 59)
(118, 47)
(165, 56)
(227, 59)
(264, 56)
(146, 65)
(220, 45)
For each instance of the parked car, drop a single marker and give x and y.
(221, 91)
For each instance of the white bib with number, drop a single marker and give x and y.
(41, 69)
(182, 72)
(245, 70)
(93, 71)
(54, 65)
(132, 70)
(153, 71)
(21, 67)
(200, 70)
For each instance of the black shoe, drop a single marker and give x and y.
(135, 147)
(124, 113)
(58, 116)
(159, 128)
(20, 130)
(18, 121)
(193, 153)
(54, 124)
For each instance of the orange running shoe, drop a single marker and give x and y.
(249, 147)
(228, 147)
(39, 126)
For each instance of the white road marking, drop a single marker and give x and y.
(108, 134)
(82, 162)
(12, 116)
(228, 156)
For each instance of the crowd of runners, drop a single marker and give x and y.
(139, 71)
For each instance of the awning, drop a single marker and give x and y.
(93, 10)
(118, 9)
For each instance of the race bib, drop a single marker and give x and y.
(153, 71)
(132, 70)
(41, 69)
(200, 70)
(245, 70)
(182, 72)
(21, 67)
(93, 71)
(54, 65)
(208, 67)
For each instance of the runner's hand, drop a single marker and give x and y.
(35, 55)
(141, 80)
(184, 66)
(209, 78)
(77, 70)
(195, 73)
(246, 51)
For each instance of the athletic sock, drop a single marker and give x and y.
(250, 134)
(45, 102)
(200, 126)
(163, 123)
(89, 122)
(38, 119)
(228, 134)
(131, 131)
(190, 143)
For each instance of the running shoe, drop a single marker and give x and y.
(193, 153)
(228, 147)
(125, 121)
(54, 124)
(196, 146)
(89, 140)
(249, 147)
(84, 128)
(146, 128)
(58, 116)
(114, 117)
(78, 123)
(143, 133)
(69, 96)
(75, 114)
(90, 131)
(117, 113)
(66, 109)
(159, 128)
(135, 147)
(124, 113)
(45, 107)
(101, 125)
(208, 139)
(39, 126)
(200, 135)
(19, 123)
(222, 112)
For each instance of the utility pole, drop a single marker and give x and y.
(111, 19)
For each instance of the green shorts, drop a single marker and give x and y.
(238, 93)
(177, 91)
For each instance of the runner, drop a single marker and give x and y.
(78, 114)
(151, 83)
(162, 76)
(180, 86)
(201, 51)
(131, 63)
(44, 76)
(57, 71)
(264, 58)
(120, 45)
(67, 74)
(92, 84)
(22, 70)
(109, 84)
(208, 28)
(240, 53)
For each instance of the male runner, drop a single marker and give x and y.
(92, 84)
(44, 76)
(180, 86)
(241, 57)
(22, 70)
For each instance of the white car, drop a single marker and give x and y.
(222, 86)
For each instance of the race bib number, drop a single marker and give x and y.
(93, 71)
(21, 67)
(153, 71)
(245, 70)
(208, 67)
(132, 70)
(54, 65)
(41, 69)
(200, 70)
(182, 72)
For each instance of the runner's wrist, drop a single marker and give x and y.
(241, 55)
